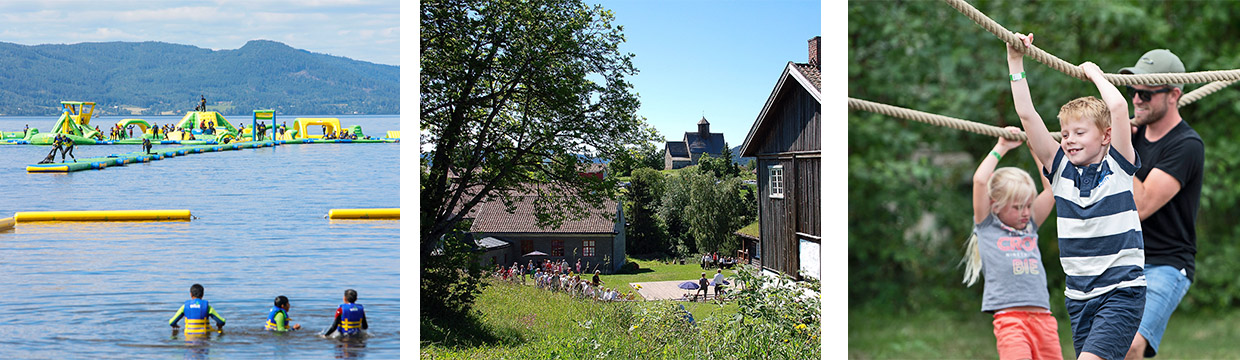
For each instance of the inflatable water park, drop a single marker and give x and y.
(197, 132)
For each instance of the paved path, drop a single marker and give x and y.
(667, 290)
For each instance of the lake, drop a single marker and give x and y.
(107, 290)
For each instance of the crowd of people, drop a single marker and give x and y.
(342, 134)
(713, 260)
(560, 276)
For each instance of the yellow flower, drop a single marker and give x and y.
(801, 326)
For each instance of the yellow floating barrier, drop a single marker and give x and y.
(393, 134)
(364, 214)
(7, 224)
(104, 215)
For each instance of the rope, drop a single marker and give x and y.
(1074, 71)
(1201, 92)
(935, 119)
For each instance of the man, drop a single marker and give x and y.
(1167, 190)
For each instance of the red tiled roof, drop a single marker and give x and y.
(811, 72)
(493, 217)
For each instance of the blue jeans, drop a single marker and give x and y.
(1165, 287)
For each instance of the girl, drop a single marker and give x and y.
(1007, 211)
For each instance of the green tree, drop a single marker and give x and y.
(652, 157)
(645, 233)
(672, 211)
(626, 160)
(516, 97)
(730, 169)
(702, 211)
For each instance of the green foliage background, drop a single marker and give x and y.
(925, 55)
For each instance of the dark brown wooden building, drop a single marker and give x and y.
(786, 141)
(598, 239)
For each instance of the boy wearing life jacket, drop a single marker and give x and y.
(277, 318)
(350, 317)
(196, 311)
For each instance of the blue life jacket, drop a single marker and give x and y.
(351, 319)
(271, 318)
(197, 314)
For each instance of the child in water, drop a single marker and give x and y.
(196, 311)
(350, 317)
(277, 318)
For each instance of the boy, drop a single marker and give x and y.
(350, 317)
(1100, 243)
(277, 318)
(195, 311)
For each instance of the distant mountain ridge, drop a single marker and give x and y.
(156, 77)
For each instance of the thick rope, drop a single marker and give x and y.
(1074, 71)
(1193, 96)
(935, 119)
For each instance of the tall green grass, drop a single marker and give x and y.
(512, 321)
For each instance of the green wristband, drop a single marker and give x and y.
(1017, 77)
(996, 154)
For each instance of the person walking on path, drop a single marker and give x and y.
(703, 287)
(1167, 190)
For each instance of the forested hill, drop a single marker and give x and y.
(150, 78)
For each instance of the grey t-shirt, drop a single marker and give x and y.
(1011, 266)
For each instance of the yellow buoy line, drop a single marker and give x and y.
(364, 214)
(103, 215)
(168, 215)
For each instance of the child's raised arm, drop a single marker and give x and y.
(981, 196)
(1045, 201)
(1040, 140)
(1121, 136)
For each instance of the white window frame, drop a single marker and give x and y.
(775, 178)
(589, 245)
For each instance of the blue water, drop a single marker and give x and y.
(107, 290)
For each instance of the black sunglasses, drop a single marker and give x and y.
(1145, 95)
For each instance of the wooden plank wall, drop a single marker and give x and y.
(795, 125)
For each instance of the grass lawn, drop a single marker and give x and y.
(876, 335)
(654, 270)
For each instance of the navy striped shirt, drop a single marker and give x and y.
(1100, 244)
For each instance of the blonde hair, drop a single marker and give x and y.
(1087, 108)
(1006, 186)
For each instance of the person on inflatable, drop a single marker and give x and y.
(350, 317)
(277, 318)
(196, 312)
(67, 150)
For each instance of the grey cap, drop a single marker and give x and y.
(1157, 61)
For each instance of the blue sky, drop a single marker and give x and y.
(718, 58)
(367, 30)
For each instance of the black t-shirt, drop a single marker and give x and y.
(1171, 233)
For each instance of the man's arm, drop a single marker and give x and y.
(364, 324)
(1157, 189)
(1040, 140)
